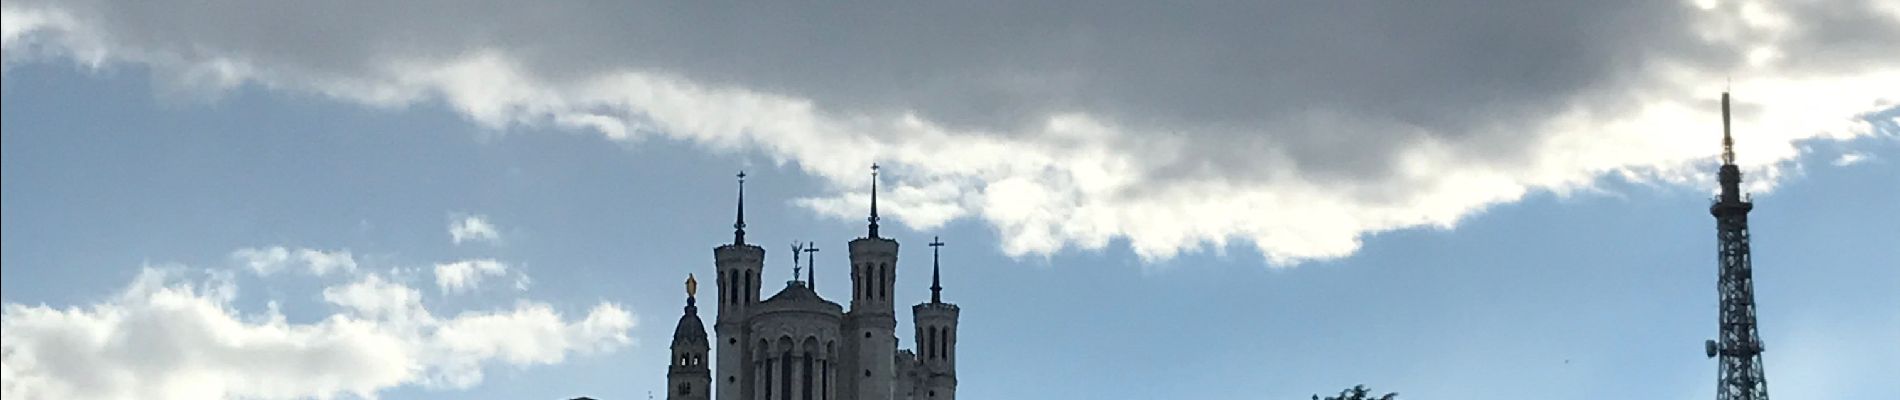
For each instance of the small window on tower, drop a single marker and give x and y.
(686, 389)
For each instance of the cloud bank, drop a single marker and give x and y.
(1296, 128)
(170, 336)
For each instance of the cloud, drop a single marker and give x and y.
(167, 337)
(466, 275)
(473, 228)
(1295, 128)
(270, 260)
(1847, 159)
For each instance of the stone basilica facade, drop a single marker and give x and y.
(797, 345)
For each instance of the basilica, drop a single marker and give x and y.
(796, 345)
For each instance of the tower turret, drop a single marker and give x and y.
(739, 265)
(687, 378)
(871, 325)
(936, 338)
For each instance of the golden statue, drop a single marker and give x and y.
(692, 285)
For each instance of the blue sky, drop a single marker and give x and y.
(141, 171)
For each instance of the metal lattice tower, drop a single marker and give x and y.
(1738, 351)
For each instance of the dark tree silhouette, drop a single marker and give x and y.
(1358, 392)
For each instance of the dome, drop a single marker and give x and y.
(690, 329)
(798, 297)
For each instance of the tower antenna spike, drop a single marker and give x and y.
(936, 277)
(1728, 140)
(874, 217)
(738, 222)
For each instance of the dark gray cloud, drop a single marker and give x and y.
(1235, 94)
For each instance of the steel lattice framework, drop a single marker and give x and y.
(1738, 351)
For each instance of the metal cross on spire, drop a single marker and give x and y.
(874, 217)
(936, 278)
(811, 265)
(738, 223)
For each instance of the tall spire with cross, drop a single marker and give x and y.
(811, 265)
(874, 217)
(738, 223)
(936, 277)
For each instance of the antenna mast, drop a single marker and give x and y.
(1738, 351)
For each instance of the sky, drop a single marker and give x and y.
(491, 200)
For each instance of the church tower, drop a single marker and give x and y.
(688, 378)
(739, 265)
(871, 325)
(936, 340)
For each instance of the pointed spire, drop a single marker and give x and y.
(936, 277)
(874, 217)
(811, 265)
(738, 223)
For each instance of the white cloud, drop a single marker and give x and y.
(1083, 131)
(473, 228)
(165, 337)
(1851, 158)
(466, 275)
(270, 260)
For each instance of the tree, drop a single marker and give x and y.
(1358, 392)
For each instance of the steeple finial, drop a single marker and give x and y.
(874, 217)
(738, 223)
(811, 265)
(936, 278)
(1728, 142)
(797, 249)
(692, 287)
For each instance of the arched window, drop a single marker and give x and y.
(764, 365)
(785, 373)
(883, 281)
(831, 355)
(749, 277)
(807, 372)
(930, 344)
